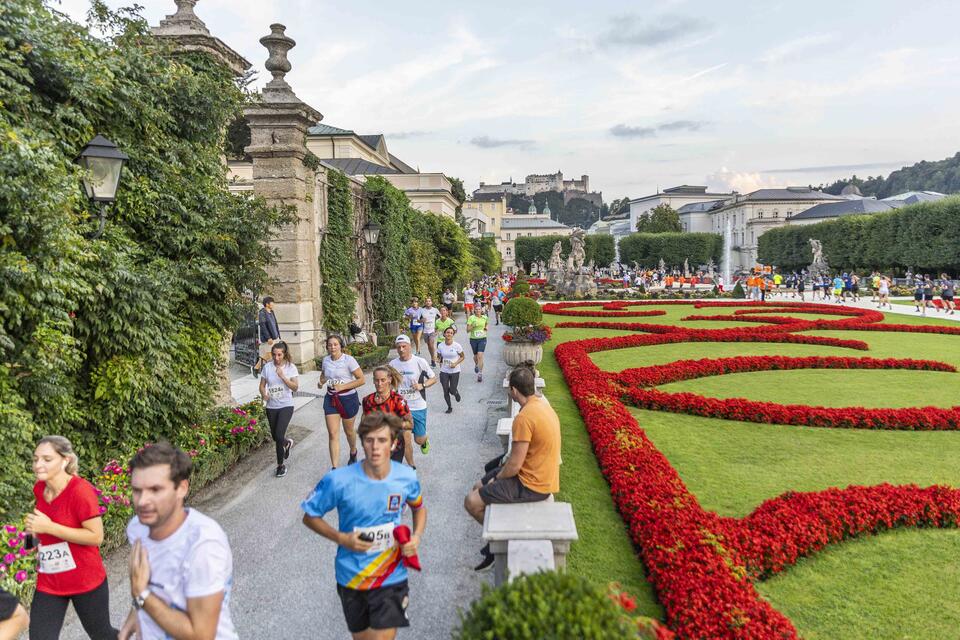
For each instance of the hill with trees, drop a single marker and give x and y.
(941, 175)
(576, 213)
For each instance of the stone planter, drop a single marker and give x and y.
(517, 352)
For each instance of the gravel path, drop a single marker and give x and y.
(283, 573)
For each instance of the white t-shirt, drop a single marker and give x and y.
(448, 298)
(449, 354)
(194, 562)
(468, 295)
(340, 371)
(428, 316)
(410, 370)
(279, 395)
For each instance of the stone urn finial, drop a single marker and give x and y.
(278, 44)
(183, 22)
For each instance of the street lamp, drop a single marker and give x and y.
(371, 232)
(103, 162)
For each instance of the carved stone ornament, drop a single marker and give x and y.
(183, 22)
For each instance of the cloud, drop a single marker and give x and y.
(840, 167)
(486, 142)
(740, 181)
(682, 125)
(791, 49)
(632, 30)
(625, 131)
(404, 135)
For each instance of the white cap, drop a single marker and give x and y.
(402, 339)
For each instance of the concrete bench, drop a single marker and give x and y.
(547, 520)
(538, 383)
(529, 556)
(505, 431)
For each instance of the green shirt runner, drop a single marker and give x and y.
(477, 326)
(442, 326)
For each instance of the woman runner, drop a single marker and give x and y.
(414, 313)
(342, 374)
(477, 328)
(451, 356)
(278, 381)
(946, 293)
(386, 381)
(883, 292)
(67, 521)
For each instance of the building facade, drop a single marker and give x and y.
(676, 197)
(520, 225)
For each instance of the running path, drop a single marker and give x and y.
(283, 573)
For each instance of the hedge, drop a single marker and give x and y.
(923, 236)
(647, 249)
(599, 248)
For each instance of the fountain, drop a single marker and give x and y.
(727, 250)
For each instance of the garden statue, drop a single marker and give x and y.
(686, 268)
(819, 265)
(556, 262)
(663, 266)
(577, 253)
(533, 269)
(712, 269)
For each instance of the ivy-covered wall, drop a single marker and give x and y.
(338, 263)
(114, 340)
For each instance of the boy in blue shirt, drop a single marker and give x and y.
(369, 499)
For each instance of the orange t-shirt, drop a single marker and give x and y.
(538, 424)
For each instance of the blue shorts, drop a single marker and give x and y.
(350, 402)
(478, 345)
(415, 327)
(419, 422)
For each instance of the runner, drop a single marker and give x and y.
(947, 288)
(800, 287)
(413, 313)
(369, 498)
(927, 294)
(469, 295)
(449, 297)
(497, 300)
(343, 376)
(68, 526)
(451, 354)
(838, 289)
(181, 566)
(280, 379)
(428, 317)
(477, 328)
(417, 376)
(386, 381)
(918, 293)
(883, 291)
(446, 320)
(13, 617)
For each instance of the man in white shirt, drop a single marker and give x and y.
(428, 316)
(181, 566)
(416, 377)
(469, 293)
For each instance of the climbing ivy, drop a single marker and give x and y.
(389, 207)
(338, 264)
(424, 277)
(113, 340)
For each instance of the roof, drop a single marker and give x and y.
(789, 193)
(697, 207)
(321, 129)
(401, 165)
(487, 197)
(529, 222)
(358, 166)
(371, 140)
(844, 208)
(913, 197)
(681, 191)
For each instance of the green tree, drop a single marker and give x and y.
(662, 219)
(486, 258)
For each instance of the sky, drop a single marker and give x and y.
(639, 96)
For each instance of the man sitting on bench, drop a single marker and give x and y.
(532, 470)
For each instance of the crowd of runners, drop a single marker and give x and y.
(180, 573)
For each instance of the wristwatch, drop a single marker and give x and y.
(138, 601)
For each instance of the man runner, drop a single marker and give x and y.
(181, 566)
(428, 316)
(417, 376)
(369, 499)
(469, 294)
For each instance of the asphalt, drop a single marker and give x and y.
(284, 574)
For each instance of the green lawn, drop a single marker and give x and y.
(732, 467)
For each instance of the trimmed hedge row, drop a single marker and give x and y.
(924, 236)
(646, 249)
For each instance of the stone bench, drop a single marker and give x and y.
(528, 557)
(548, 520)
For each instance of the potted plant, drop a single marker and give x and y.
(528, 333)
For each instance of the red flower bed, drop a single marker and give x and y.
(537, 281)
(702, 566)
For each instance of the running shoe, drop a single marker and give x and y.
(449, 410)
(457, 396)
(425, 448)
(281, 471)
(479, 377)
(476, 369)
(353, 458)
(255, 372)
(286, 448)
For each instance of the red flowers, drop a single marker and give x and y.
(701, 565)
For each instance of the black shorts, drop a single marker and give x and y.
(498, 308)
(507, 490)
(948, 298)
(918, 296)
(928, 296)
(855, 288)
(383, 608)
(8, 605)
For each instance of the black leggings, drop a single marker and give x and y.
(279, 419)
(449, 382)
(93, 609)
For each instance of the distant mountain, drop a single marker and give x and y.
(942, 175)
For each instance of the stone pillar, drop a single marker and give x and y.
(278, 129)
(187, 32)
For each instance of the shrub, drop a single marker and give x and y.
(738, 291)
(521, 287)
(547, 605)
(522, 312)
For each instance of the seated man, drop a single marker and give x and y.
(13, 617)
(532, 469)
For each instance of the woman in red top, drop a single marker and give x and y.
(68, 526)
(386, 381)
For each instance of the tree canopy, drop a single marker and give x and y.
(941, 175)
(661, 219)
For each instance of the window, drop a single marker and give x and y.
(760, 214)
(776, 214)
(508, 236)
(509, 251)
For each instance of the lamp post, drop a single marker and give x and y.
(103, 162)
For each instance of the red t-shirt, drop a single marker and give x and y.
(76, 503)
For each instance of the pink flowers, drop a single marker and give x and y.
(20, 576)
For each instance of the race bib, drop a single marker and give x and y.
(448, 364)
(407, 391)
(276, 393)
(55, 558)
(382, 537)
(331, 383)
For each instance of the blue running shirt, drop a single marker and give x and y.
(375, 505)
